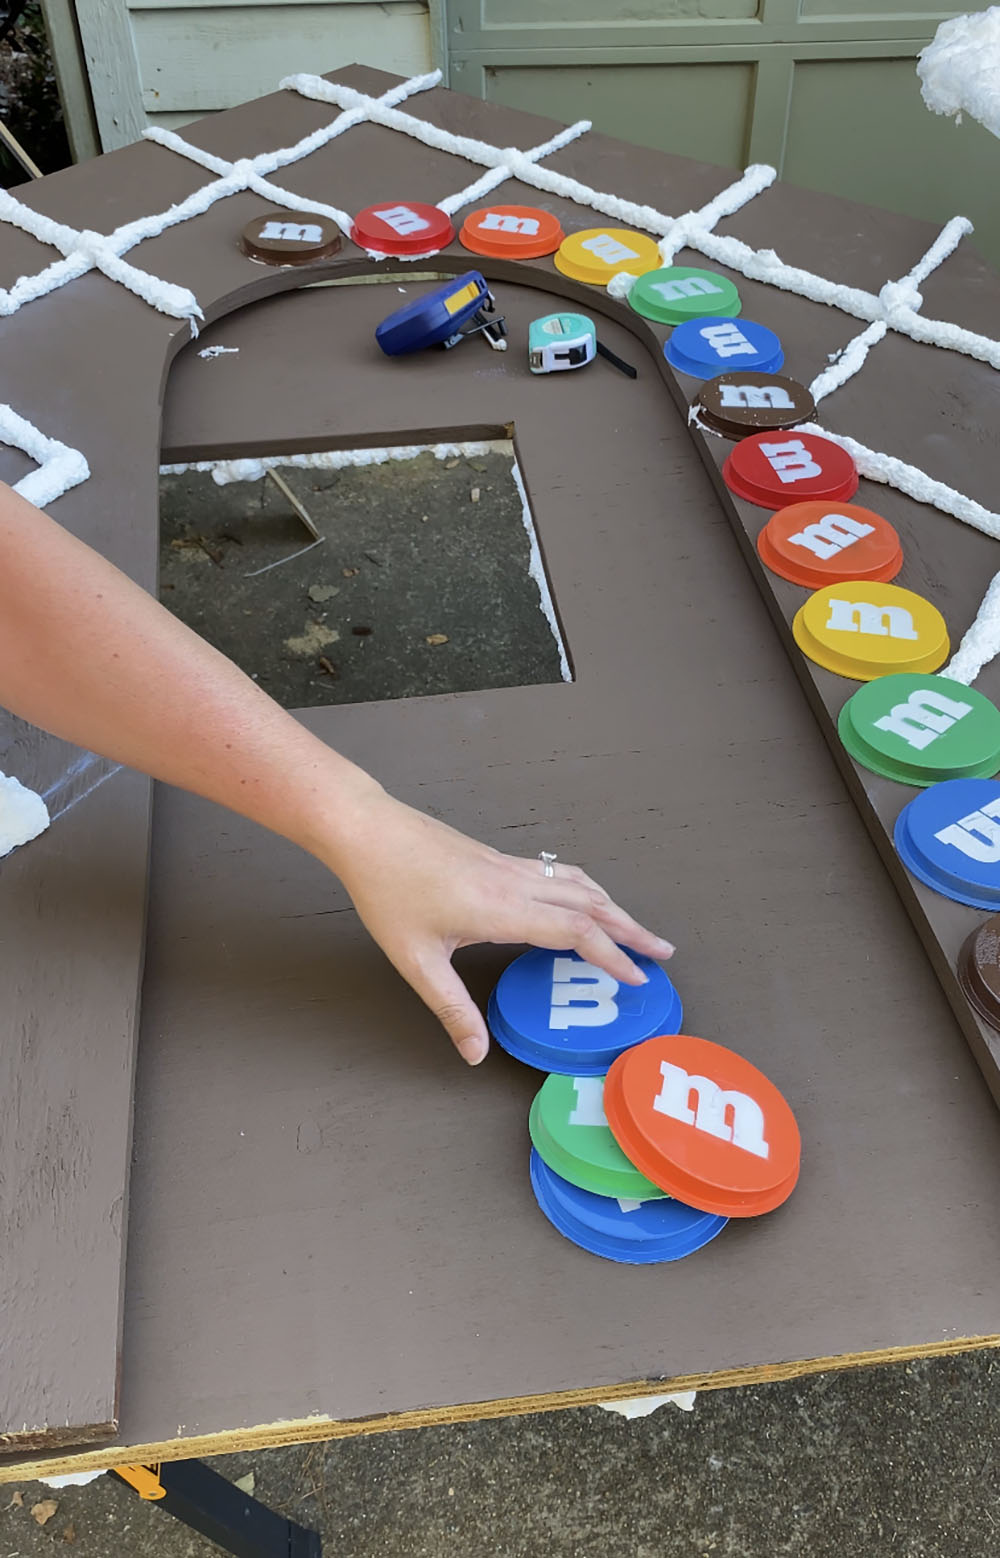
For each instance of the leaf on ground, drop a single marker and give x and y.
(475, 465)
(69, 1533)
(190, 551)
(436, 638)
(449, 465)
(323, 592)
(328, 666)
(315, 635)
(16, 1500)
(474, 495)
(349, 573)
(246, 1484)
(44, 1511)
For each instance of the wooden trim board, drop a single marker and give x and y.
(276, 1436)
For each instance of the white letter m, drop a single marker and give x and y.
(730, 1116)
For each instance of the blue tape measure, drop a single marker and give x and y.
(439, 318)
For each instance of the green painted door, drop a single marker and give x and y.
(828, 95)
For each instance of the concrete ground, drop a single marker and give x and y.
(420, 584)
(894, 1462)
(898, 1461)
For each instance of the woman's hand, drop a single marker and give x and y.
(423, 890)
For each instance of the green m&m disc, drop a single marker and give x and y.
(922, 729)
(677, 293)
(572, 1137)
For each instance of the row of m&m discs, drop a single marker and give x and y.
(644, 1141)
(905, 723)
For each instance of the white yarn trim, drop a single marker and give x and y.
(23, 814)
(900, 301)
(536, 571)
(59, 467)
(915, 483)
(83, 250)
(960, 69)
(687, 229)
(517, 163)
(981, 642)
(498, 175)
(225, 471)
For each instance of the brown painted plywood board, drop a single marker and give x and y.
(376, 1205)
(330, 1216)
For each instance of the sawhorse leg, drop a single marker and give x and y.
(239, 1524)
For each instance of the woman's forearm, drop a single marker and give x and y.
(89, 656)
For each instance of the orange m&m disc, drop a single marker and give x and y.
(823, 543)
(703, 1124)
(511, 232)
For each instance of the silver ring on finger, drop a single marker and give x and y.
(548, 862)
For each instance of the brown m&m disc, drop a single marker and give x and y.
(291, 238)
(738, 404)
(979, 970)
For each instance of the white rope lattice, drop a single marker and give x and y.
(59, 467)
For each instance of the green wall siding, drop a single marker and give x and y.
(860, 128)
(828, 96)
(652, 105)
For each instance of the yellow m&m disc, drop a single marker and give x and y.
(598, 253)
(863, 629)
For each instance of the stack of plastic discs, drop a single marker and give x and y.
(571, 1135)
(634, 1232)
(644, 1141)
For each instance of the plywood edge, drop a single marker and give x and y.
(310, 1430)
(56, 1437)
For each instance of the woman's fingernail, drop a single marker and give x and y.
(472, 1051)
(666, 949)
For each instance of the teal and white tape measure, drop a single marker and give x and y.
(561, 341)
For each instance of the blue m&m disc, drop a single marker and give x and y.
(706, 347)
(638, 1233)
(554, 1011)
(949, 837)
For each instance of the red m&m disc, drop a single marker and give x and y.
(775, 469)
(703, 1124)
(402, 227)
(823, 543)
